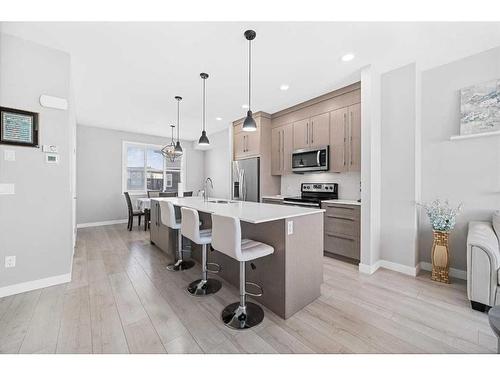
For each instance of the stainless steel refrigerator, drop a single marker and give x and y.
(246, 184)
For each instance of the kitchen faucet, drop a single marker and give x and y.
(205, 187)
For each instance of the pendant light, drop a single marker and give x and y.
(249, 124)
(169, 150)
(203, 141)
(178, 148)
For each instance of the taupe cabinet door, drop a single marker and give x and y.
(345, 139)
(355, 137)
(301, 134)
(319, 130)
(276, 151)
(246, 144)
(338, 133)
(252, 143)
(281, 150)
(239, 145)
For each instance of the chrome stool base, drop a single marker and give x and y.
(200, 288)
(181, 265)
(236, 317)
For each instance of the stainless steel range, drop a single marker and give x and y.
(312, 194)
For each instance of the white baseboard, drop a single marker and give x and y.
(401, 268)
(101, 223)
(369, 268)
(454, 272)
(35, 284)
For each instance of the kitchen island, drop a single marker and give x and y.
(291, 277)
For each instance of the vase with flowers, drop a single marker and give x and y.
(442, 217)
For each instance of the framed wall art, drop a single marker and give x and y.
(18, 127)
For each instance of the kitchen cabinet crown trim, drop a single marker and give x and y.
(319, 99)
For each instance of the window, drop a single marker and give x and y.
(145, 168)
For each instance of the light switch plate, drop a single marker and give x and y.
(290, 227)
(50, 148)
(10, 261)
(9, 155)
(7, 189)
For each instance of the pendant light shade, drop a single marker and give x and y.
(203, 141)
(178, 149)
(169, 150)
(249, 124)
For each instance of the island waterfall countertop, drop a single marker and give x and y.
(250, 212)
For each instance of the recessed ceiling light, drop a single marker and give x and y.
(218, 118)
(245, 106)
(348, 57)
(284, 87)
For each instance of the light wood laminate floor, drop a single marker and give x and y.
(122, 300)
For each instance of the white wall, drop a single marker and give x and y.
(465, 171)
(398, 131)
(36, 222)
(217, 163)
(99, 171)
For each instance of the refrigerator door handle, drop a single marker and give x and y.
(244, 186)
(240, 185)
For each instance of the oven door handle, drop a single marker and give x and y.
(318, 155)
(292, 203)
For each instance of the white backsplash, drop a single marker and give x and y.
(349, 183)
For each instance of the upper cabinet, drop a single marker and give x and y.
(311, 132)
(345, 139)
(246, 144)
(281, 150)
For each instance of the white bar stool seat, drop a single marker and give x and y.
(226, 238)
(167, 213)
(190, 228)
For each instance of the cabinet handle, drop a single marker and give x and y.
(312, 132)
(307, 133)
(341, 207)
(343, 150)
(340, 217)
(350, 136)
(340, 236)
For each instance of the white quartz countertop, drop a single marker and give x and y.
(251, 212)
(343, 201)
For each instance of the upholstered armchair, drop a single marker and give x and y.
(483, 263)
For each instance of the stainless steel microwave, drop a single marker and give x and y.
(311, 160)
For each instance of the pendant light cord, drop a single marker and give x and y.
(249, 75)
(178, 116)
(204, 79)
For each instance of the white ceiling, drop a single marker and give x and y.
(127, 74)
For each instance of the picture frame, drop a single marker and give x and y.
(18, 127)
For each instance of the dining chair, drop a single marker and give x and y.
(168, 194)
(132, 212)
(153, 193)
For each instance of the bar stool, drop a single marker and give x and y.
(168, 218)
(190, 228)
(226, 238)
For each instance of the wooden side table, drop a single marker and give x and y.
(494, 318)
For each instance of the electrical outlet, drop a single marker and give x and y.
(290, 227)
(10, 261)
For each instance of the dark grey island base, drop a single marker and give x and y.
(290, 278)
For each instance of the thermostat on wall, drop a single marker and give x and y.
(52, 158)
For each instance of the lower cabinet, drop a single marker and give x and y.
(161, 235)
(342, 230)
